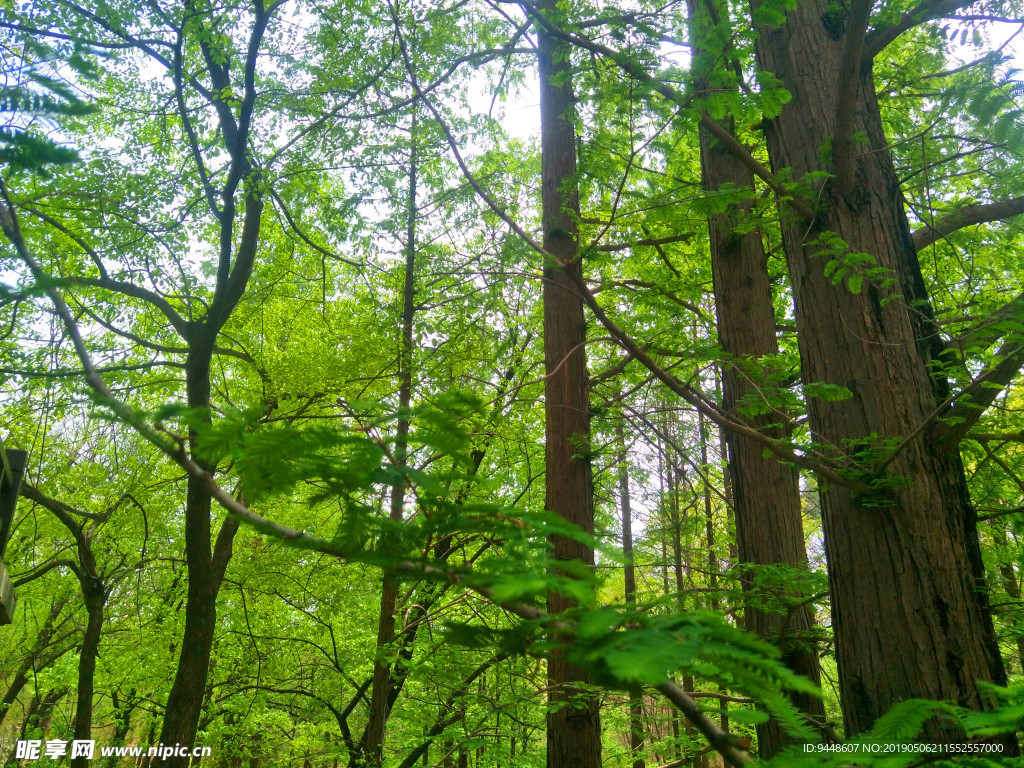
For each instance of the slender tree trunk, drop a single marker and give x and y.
(380, 699)
(205, 564)
(1008, 577)
(766, 494)
(30, 663)
(95, 599)
(909, 609)
(636, 710)
(573, 730)
(680, 562)
(122, 721)
(709, 530)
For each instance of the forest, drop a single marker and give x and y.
(472, 383)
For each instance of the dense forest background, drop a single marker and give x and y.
(378, 415)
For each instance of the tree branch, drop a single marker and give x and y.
(38, 572)
(972, 401)
(965, 217)
(924, 11)
(180, 324)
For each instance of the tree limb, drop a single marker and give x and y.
(972, 401)
(879, 38)
(965, 217)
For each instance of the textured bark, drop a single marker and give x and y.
(766, 494)
(574, 730)
(909, 609)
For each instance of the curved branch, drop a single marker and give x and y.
(43, 569)
(924, 11)
(182, 326)
(305, 238)
(965, 217)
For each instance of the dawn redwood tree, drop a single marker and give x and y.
(910, 613)
(574, 730)
(766, 493)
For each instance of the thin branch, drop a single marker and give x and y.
(305, 238)
(685, 237)
(44, 569)
(182, 326)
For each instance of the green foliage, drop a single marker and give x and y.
(892, 742)
(35, 94)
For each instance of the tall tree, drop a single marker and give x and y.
(574, 729)
(766, 494)
(909, 609)
(380, 691)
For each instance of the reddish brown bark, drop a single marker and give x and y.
(573, 730)
(909, 609)
(766, 494)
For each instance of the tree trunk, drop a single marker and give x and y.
(95, 599)
(909, 610)
(573, 730)
(205, 564)
(380, 699)
(122, 721)
(30, 663)
(1008, 578)
(709, 529)
(766, 494)
(636, 710)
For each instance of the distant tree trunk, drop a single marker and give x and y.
(636, 710)
(147, 760)
(573, 730)
(766, 494)
(909, 609)
(709, 529)
(1008, 577)
(37, 716)
(122, 721)
(380, 693)
(31, 661)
